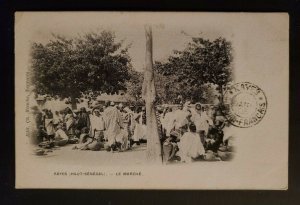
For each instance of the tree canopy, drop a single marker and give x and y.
(69, 66)
(192, 72)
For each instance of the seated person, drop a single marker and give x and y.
(86, 142)
(170, 149)
(60, 138)
(214, 138)
(122, 140)
(190, 146)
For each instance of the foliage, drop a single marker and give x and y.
(191, 71)
(68, 67)
(134, 85)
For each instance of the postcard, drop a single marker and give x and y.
(152, 100)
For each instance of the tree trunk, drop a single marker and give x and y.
(222, 93)
(154, 152)
(73, 103)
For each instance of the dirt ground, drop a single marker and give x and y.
(67, 155)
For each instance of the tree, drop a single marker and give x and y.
(134, 85)
(162, 83)
(69, 67)
(202, 62)
(154, 155)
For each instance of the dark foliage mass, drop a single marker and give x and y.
(69, 67)
(192, 72)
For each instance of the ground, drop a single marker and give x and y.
(67, 155)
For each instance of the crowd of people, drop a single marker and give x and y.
(187, 132)
(194, 132)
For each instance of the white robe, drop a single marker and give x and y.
(168, 122)
(190, 146)
(97, 123)
(113, 123)
(140, 129)
(49, 126)
(202, 121)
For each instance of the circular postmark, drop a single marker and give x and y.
(244, 104)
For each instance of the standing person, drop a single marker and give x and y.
(122, 138)
(83, 119)
(140, 129)
(168, 121)
(69, 122)
(106, 108)
(113, 124)
(37, 125)
(144, 125)
(127, 115)
(201, 122)
(49, 126)
(190, 146)
(97, 125)
(179, 121)
(186, 123)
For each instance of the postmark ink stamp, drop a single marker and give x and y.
(244, 104)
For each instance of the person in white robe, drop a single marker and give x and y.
(49, 126)
(97, 124)
(113, 125)
(177, 122)
(140, 128)
(168, 121)
(201, 121)
(190, 146)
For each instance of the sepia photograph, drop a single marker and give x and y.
(151, 100)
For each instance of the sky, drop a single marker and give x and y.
(171, 31)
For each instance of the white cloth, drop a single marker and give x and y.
(122, 137)
(228, 133)
(56, 119)
(175, 119)
(97, 123)
(61, 135)
(180, 118)
(202, 121)
(69, 119)
(168, 122)
(140, 129)
(49, 126)
(113, 123)
(190, 146)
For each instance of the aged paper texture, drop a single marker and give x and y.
(212, 112)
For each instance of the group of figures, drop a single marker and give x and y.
(196, 132)
(187, 132)
(113, 127)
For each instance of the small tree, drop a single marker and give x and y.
(69, 67)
